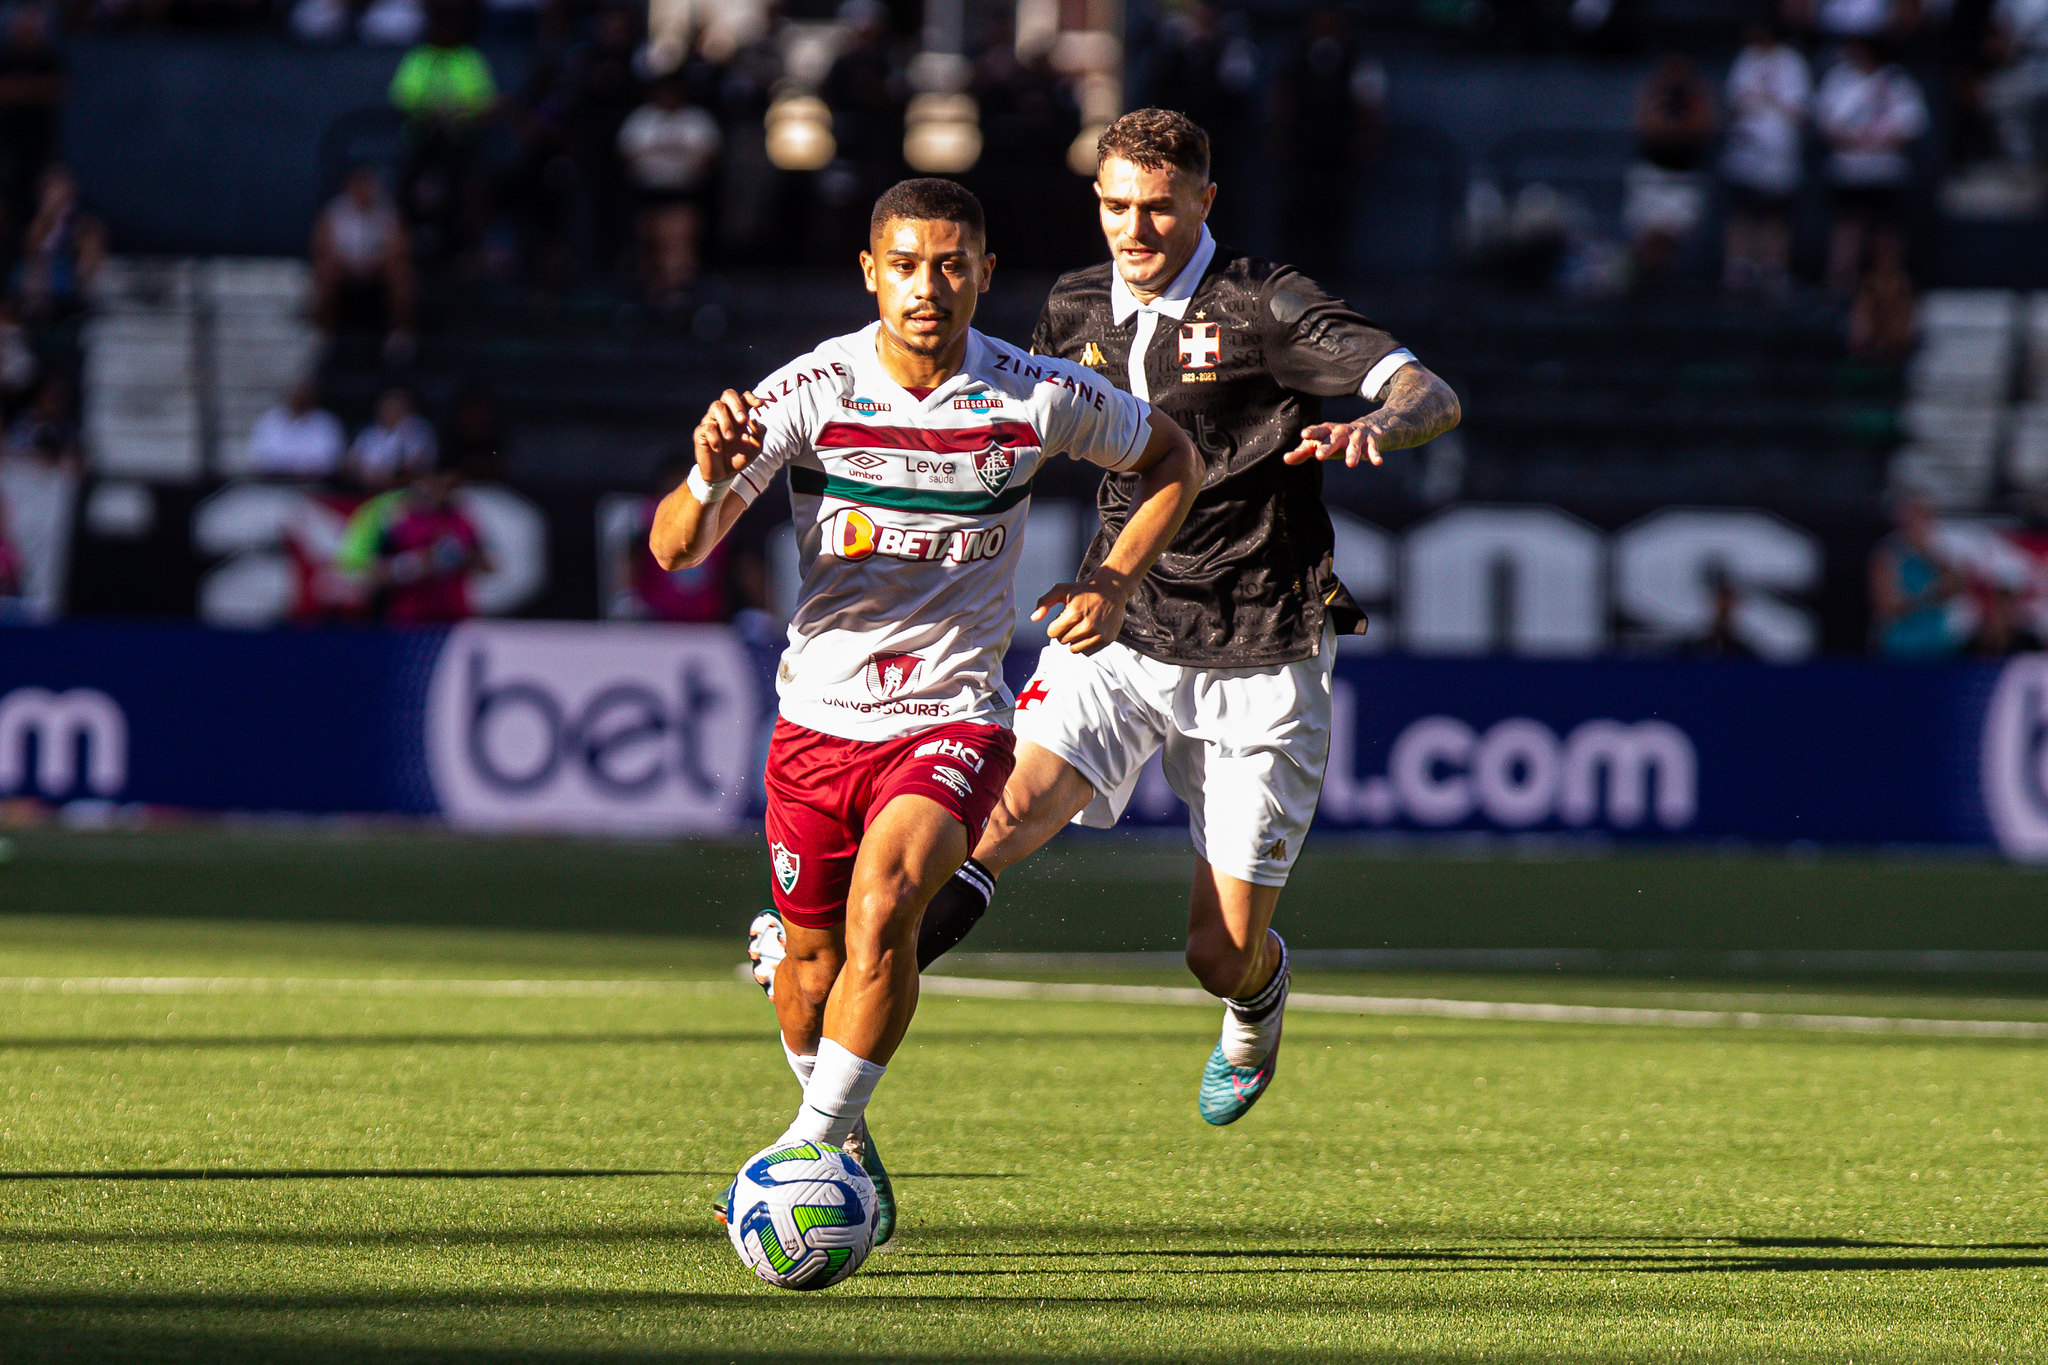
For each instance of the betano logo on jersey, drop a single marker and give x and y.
(853, 534)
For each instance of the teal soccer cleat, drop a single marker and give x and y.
(1228, 1092)
(722, 1210)
(861, 1147)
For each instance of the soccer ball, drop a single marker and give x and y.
(802, 1215)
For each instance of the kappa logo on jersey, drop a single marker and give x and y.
(992, 466)
(1276, 851)
(853, 534)
(887, 675)
(1092, 355)
(960, 782)
(864, 404)
(1201, 345)
(787, 865)
(953, 749)
(980, 402)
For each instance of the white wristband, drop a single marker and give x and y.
(705, 492)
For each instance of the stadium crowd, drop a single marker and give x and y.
(580, 159)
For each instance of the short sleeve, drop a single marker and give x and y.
(785, 434)
(1317, 344)
(1087, 419)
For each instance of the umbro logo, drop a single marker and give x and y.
(867, 460)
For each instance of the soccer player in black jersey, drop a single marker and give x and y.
(1223, 664)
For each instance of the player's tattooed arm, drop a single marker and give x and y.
(1092, 611)
(689, 523)
(1418, 407)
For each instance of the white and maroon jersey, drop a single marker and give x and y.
(910, 515)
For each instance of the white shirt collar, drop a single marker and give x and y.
(1174, 302)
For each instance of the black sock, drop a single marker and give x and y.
(953, 912)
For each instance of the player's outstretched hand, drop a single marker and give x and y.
(1328, 440)
(729, 437)
(1090, 619)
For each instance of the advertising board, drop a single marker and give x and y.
(658, 729)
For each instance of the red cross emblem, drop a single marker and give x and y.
(1201, 346)
(1031, 695)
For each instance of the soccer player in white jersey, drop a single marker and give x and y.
(910, 448)
(1223, 664)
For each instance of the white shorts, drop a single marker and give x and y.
(1245, 748)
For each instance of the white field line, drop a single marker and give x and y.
(1516, 1011)
(326, 985)
(983, 988)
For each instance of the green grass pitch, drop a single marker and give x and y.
(386, 1173)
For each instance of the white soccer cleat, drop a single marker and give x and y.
(764, 949)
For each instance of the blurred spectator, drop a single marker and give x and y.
(1848, 19)
(1666, 195)
(2002, 625)
(1916, 595)
(417, 550)
(444, 87)
(297, 439)
(544, 185)
(2016, 95)
(1328, 109)
(320, 21)
(61, 250)
(31, 92)
(670, 147)
(397, 445)
(474, 442)
(866, 90)
(362, 262)
(1884, 316)
(392, 23)
(18, 363)
(729, 580)
(605, 88)
(1871, 115)
(1722, 638)
(1769, 89)
(48, 431)
(1207, 67)
(10, 567)
(39, 471)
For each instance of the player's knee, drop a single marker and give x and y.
(881, 928)
(1218, 962)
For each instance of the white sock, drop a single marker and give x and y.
(801, 1063)
(836, 1095)
(1250, 1041)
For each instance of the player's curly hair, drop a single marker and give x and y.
(927, 200)
(1159, 139)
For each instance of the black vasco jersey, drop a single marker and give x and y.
(1248, 581)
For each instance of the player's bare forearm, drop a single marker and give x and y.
(1419, 407)
(686, 526)
(1169, 477)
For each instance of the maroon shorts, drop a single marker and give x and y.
(822, 791)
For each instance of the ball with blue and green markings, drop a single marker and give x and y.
(802, 1215)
